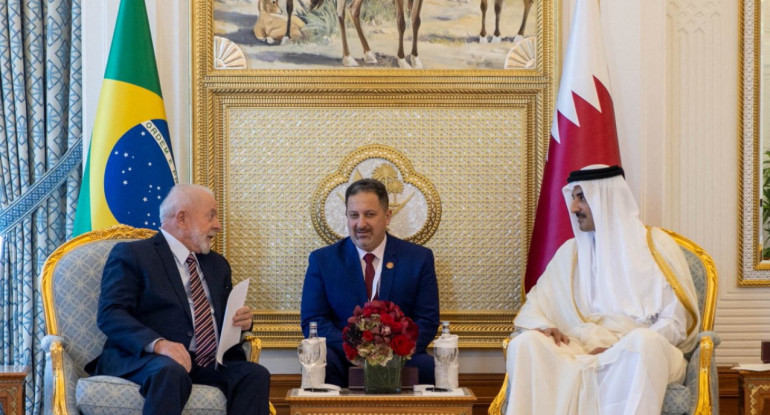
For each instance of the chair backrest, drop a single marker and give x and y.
(704, 276)
(71, 283)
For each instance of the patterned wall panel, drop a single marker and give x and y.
(277, 157)
(480, 158)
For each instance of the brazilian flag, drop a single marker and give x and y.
(130, 165)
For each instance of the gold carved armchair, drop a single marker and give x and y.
(70, 285)
(699, 395)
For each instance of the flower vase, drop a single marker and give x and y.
(383, 379)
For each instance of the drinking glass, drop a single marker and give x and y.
(309, 353)
(445, 357)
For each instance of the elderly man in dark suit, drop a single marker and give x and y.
(162, 307)
(337, 280)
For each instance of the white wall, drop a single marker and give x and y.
(673, 68)
(702, 146)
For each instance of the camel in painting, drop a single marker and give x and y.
(413, 6)
(498, 10)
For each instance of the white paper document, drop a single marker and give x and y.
(231, 335)
(429, 390)
(449, 392)
(753, 367)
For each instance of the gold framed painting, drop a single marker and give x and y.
(281, 127)
(376, 34)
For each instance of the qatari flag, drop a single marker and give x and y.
(583, 133)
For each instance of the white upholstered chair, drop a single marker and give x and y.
(70, 285)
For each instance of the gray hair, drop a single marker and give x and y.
(180, 197)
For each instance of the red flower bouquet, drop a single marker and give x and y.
(377, 332)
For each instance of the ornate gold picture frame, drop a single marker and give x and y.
(466, 147)
(754, 177)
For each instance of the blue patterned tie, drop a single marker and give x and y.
(204, 325)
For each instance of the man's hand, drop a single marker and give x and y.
(598, 350)
(558, 336)
(174, 350)
(242, 318)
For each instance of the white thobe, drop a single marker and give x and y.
(628, 378)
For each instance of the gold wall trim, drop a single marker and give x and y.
(479, 329)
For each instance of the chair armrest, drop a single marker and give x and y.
(701, 374)
(252, 345)
(60, 378)
(498, 405)
(514, 333)
(713, 335)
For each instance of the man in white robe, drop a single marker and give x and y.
(604, 329)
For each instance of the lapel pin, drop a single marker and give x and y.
(389, 265)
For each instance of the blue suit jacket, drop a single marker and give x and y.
(143, 298)
(334, 286)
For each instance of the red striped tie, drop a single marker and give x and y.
(204, 324)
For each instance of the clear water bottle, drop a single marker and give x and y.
(444, 329)
(313, 331)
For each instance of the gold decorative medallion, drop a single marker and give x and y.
(414, 200)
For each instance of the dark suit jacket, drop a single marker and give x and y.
(143, 298)
(334, 285)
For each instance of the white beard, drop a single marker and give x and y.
(202, 242)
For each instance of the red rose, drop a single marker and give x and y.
(395, 327)
(402, 345)
(376, 305)
(350, 352)
(387, 327)
(409, 327)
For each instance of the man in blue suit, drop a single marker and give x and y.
(341, 276)
(162, 308)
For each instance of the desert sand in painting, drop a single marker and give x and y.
(448, 37)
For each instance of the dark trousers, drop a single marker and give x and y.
(337, 367)
(166, 386)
